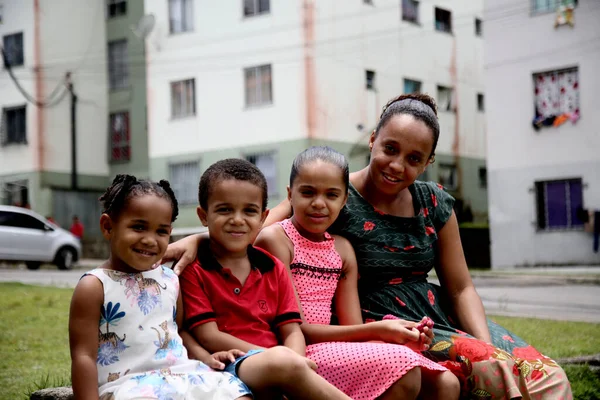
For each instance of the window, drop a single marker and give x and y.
(120, 145)
(443, 20)
(13, 127)
(480, 102)
(478, 27)
(184, 178)
(544, 6)
(410, 11)
(412, 86)
(483, 177)
(116, 8)
(16, 193)
(258, 85)
(13, 49)
(256, 7)
(265, 161)
(557, 203)
(118, 68)
(370, 80)
(19, 220)
(183, 98)
(181, 16)
(447, 176)
(556, 93)
(445, 98)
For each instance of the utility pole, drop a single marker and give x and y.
(74, 185)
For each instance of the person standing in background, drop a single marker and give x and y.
(77, 228)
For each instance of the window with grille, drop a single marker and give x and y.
(410, 11)
(13, 49)
(445, 98)
(370, 80)
(181, 16)
(256, 7)
(557, 203)
(258, 85)
(120, 145)
(267, 164)
(544, 6)
(447, 176)
(116, 8)
(412, 86)
(184, 178)
(183, 98)
(556, 92)
(443, 20)
(118, 64)
(13, 127)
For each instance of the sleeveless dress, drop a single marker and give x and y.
(140, 353)
(394, 256)
(362, 370)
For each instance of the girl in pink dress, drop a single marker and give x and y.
(365, 361)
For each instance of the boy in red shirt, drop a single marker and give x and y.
(237, 296)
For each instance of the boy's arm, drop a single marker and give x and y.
(84, 317)
(291, 336)
(209, 335)
(192, 346)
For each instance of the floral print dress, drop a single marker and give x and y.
(140, 353)
(394, 256)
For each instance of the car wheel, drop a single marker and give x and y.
(33, 265)
(65, 259)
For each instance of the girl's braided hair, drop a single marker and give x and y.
(125, 187)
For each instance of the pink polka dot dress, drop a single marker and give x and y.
(362, 370)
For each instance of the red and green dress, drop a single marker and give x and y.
(394, 256)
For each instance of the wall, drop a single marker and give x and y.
(518, 156)
(133, 98)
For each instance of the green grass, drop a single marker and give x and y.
(35, 347)
(33, 338)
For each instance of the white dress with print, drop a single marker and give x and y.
(140, 353)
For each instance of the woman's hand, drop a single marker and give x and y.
(219, 359)
(183, 252)
(416, 335)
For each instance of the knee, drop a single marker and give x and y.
(285, 363)
(449, 385)
(407, 387)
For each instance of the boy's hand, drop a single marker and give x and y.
(219, 359)
(311, 363)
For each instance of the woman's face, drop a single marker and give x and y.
(399, 153)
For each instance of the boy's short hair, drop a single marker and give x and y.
(231, 168)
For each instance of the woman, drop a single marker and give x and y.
(400, 229)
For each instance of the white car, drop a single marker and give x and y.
(27, 236)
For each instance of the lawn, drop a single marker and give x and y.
(35, 347)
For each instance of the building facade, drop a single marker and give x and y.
(265, 79)
(543, 138)
(48, 60)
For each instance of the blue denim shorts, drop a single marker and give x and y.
(233, 367)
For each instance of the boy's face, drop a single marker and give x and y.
(234, 214)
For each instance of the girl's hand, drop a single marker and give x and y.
(417, 336)
(219, 359)
(183, 252)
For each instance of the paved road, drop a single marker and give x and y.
(538, 297)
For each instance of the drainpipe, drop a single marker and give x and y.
(39, 85)
(74, 185)
(309, 66)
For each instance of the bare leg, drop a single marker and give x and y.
(407, 387)
(439, 385)
(282, 370)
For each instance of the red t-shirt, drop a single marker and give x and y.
(251, 312)
(77, 229)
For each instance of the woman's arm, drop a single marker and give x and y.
(280, 212)
(84, 315)
(183, 251)
(455, 279)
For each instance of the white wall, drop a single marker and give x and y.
(222, 44)
(354, 37)
(18, 17)
(516, 47)
(78, 46)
